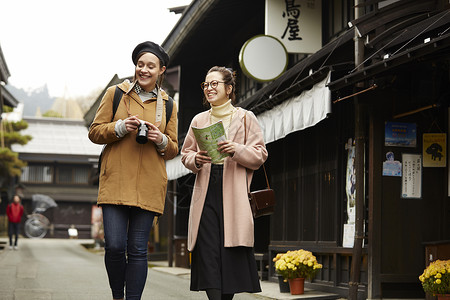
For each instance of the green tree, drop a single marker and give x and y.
(52, 114)
(10, 164)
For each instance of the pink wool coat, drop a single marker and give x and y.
(238, 219)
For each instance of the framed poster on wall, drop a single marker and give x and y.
(412, 176)
(435, 150)
(398, 134)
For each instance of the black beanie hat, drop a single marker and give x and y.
(152, 48)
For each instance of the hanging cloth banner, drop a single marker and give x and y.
(297, 113)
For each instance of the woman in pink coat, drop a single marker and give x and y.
(220, 234)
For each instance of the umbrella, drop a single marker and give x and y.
(42, 202)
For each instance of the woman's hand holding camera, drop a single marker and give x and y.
(132, 123)
(154, 134)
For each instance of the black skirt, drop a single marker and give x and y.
(231, 269)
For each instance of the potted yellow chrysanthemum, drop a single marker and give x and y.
(436, 279)
(296, 266)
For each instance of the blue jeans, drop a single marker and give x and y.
(126, 262)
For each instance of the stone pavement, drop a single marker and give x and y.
(62, 269)
(270, 290)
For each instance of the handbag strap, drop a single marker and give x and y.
(245, 141)
(267, 180)
(245, 128)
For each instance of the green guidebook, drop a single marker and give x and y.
(207, 139)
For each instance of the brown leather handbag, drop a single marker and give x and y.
(262, 202)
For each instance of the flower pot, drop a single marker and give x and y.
(297, 286)
(443, 297)
(284, 285)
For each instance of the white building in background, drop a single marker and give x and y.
(62, 164)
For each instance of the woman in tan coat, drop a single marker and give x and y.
(133, 176)
(220, 232)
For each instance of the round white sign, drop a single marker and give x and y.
(263, 58)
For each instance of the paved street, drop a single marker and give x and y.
(62, 269)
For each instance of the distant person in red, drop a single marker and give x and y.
(14, 211)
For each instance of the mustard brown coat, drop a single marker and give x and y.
(237, 215)
(132, 174)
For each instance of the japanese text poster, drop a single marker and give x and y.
(412, 175)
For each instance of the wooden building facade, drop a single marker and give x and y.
(402, 79)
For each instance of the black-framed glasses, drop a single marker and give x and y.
(213, 84)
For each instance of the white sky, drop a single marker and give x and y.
(76, 46)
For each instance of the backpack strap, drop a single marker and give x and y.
(169, 108)
(118, 93)
(117, 97)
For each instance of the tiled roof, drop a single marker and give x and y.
(57, 136)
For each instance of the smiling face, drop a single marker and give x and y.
(220, 94)
(147, 71)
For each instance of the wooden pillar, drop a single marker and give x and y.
(360, 167)
(375, 191)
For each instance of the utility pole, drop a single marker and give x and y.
(359, 165)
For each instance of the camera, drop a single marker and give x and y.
(142, 133)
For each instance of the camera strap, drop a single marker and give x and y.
(159, 108)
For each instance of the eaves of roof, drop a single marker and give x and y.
(78, 193)
(409, 29)
(186, 25)
(60, 158)
(434, 49)
(8, 98)
(4, 72)
(401, 10)
(178, 9)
